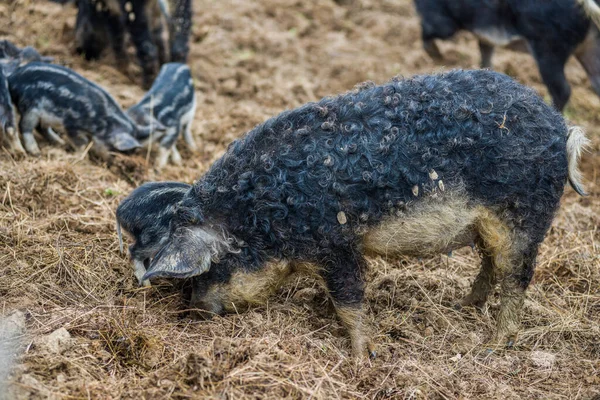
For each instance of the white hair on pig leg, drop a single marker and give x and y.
(175, 156)
(162, 157)
(15, 142)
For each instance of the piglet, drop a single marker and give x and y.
(58, 99)
(171, 102)
(7, 116)
(146, 216)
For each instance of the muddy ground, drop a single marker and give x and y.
(88, 330)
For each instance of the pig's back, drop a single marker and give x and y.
(38, 82)
(367, 152)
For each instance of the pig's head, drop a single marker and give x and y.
(207, 253)
(146, 124)
(122, 141)
(191, 247)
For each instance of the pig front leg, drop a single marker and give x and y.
(166, 148)
(136, 21)
(487, 51)
(551, 64)
(117, 40)
(343, 276)
(29, 121)
(180, 26)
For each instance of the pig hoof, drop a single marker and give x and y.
(359, 351)
(469, 301)
(146, 283)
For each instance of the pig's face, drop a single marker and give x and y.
(220, 286)
(145, 124)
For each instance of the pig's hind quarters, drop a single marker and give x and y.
(508, 257)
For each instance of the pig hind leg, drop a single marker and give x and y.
(589, 56)
(512, 255)
(51, 136)
(483, 284)
(187, 135)
(175, 156)
(342, 273)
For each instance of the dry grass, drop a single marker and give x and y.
(251, 59)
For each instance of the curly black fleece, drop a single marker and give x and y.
(146, 215)
(279, 189)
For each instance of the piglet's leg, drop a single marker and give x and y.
(165, 149)
(52, 136)
(28, 123)
(175, 156)
(15, 142)
(187, 136)
(343, 277)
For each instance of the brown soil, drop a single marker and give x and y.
(252, 59)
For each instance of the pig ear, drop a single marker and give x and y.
(123, 141)
(187, 253)
(145, 131)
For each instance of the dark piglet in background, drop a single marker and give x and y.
(57, 99)
(551, 30)
(102, 22)
(414, 167)
(146, 215)
(170, 103)
(8, 129)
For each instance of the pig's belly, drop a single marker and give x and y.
(497, 36)
(429, 227)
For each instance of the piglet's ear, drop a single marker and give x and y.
(187, 253)
(123, 141)
(154, 128)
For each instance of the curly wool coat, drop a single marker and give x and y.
(416, 166)
(280, 187)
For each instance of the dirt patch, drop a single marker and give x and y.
(60, 263)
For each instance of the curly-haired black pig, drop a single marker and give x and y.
(551, 30)
(146, 216)
(170, 103)
(416, 167)
(59, 99)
